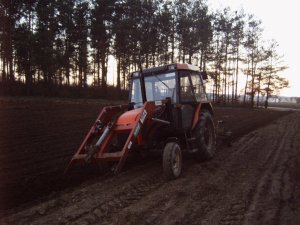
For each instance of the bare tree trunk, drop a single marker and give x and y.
(246, 85)
(237, 71)
(10, 49)
(153, 59)
(94, 74)
(268, 89)
(219, 86)
(103, 71)
(252, 80)
(190, 58)
(225, 71)
(229, 83)
(173, 40)
(232, 86)
(147, 60)
(258, 90)
(119, 74)
(3, 69)
(268, 93)
(124, 78)
(201, 60)
(252, 91)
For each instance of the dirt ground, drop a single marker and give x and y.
(256, 181)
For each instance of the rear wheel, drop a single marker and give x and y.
(205, 136)
(172, 160)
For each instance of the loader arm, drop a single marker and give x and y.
(95, 132)
(105, 128)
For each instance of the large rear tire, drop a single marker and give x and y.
(172, 161)
(205, 136)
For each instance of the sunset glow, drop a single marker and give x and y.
(280, 20)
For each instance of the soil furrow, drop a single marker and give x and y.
(269, 184)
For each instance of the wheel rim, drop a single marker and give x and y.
(176, 162)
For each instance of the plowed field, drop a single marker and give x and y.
(253, 182)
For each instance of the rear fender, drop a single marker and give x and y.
(199, 108)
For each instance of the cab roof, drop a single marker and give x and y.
(165, 68)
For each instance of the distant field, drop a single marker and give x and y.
(285, 105)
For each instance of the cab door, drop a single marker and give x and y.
(187, 99)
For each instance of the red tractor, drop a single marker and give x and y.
(168, 109)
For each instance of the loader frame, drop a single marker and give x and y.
(153, 123)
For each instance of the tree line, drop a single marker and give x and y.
(69, 42)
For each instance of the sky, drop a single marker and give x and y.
(280, 20)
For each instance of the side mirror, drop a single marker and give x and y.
(204, 75)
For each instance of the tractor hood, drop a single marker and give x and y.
(129, 117)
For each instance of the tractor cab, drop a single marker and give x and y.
(182, 84)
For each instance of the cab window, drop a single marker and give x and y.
(136, 93)
(161, 86)
(198, 87)
(186, 88)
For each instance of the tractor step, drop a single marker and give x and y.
(111, 155)
(191, 139)
(193, 150)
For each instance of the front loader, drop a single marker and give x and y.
(168, 109)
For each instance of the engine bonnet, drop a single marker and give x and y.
(129, 117)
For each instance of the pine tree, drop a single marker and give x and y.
(46, 33)
(81, 17)
(67, 35)
(9, 15)
(101, 35)
(252, 43)
(273, 82)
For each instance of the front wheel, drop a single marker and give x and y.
(205, 136)
(172, 160)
